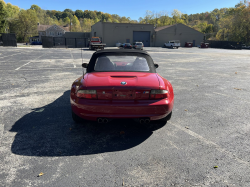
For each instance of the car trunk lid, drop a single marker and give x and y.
(122, 85)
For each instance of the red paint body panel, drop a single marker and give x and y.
(122, 101)
(114, 79)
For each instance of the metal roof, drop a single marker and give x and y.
(163, 27)
(45, 27)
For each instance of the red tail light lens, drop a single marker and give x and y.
(158, 94)
(87, 94)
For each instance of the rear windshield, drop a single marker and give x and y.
(121, 63)
(95, 39)
(138, 43)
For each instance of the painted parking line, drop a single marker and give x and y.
(28, 62)
(232, 97)
(1, 133)
(13, 54)
(209, 143)
(72, 59)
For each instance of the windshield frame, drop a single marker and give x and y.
(93, 60)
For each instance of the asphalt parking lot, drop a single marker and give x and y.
(206, 143)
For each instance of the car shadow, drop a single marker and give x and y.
(50, 131)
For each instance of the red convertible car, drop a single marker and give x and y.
(121, 84)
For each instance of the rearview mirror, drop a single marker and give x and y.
(156, 65)
(85, 65)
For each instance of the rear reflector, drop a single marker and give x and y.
(158, 94)
(88, 94)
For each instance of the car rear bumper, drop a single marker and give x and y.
(93, 109)
(138, 47)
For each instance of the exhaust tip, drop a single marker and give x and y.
(142, 121)
(100, 120)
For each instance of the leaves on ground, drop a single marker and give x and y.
(237, 88)
(235, 72)
(40, 110)
(186, 110)
(187, 127)
(215, 166)
(40, 174)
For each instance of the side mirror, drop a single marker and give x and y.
(85, 65)
(156, 65)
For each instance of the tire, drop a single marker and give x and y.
(76, 118)
(171, 47)
(167, 118)
(177, 47)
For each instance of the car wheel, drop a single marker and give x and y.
(76, 118)
(167, 118)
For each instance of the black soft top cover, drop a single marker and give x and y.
(121, 52)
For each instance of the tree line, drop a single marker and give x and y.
(231, 24)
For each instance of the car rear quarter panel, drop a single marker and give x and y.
(166, 85)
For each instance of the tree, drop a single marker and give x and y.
(41, 14)
(12, 10)
(3, 15)
(59, 15)
(36, 8)
(176, 16)
(148, 16)
(76, 27)
(66, 20)
(86, 24)
(69, 11)
(79, 14)
(26, 24)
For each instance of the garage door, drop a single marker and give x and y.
(142, 36)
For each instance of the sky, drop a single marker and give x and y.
(129, 8)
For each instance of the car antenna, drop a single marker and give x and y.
(82, 63)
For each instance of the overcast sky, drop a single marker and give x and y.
(129, 8)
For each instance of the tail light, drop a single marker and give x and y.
(136, 46)
(158, 94)
(88, 94)
(125, 45)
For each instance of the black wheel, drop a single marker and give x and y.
(76, 118)
(167, 118)
(177, 47)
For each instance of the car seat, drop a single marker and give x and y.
(104, 64)
(140, 64)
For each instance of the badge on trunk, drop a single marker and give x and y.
(123, 83)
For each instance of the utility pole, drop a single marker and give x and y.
(70, 24)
